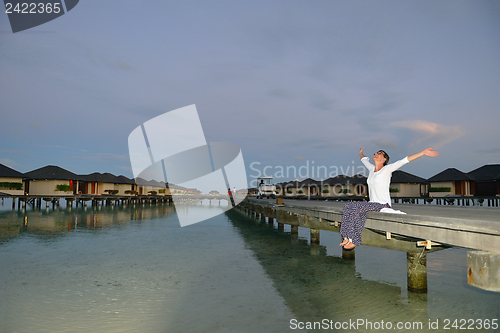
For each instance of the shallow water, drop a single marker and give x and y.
(134, 269)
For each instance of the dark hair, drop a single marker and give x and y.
(386, 156)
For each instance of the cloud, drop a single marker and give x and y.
(434, 134)
(280, 93)
(111, 63)
(18, 152)
(385, 142)
(323, 103)
(129, 169)
(489, 151)
(102, 157)
(9, 163)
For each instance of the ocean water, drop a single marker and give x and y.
(134, 269)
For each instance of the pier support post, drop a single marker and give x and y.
(417, 271)
(270, 221)
(314, 236)
(483, 270)
(270, 214)
(348, 254)
(315, 250)
(281, 226)
(295, 229)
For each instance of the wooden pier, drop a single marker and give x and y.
(35, 201)
(422, 229)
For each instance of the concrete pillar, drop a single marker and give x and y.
(348, 254)
(281, 226)
(483, 270)
(315, 249)
(295, 229)
(13, 203)
(417, 271)
(314, 236)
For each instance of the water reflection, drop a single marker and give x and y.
(134, 269)
(58, 221)
(126, 269)
(316, 286)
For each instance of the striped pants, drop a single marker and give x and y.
(354, 218)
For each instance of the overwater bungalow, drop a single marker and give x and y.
(333, 187)
(11, 181)
(336, 186)
(179, 190)
(106, 183)
(309, 187)
(51, 180)
(404, 184)
(127, 186)
(359, 185)
(290, 188)
(343, 185)
(451, 182)
(486, 180)
(151, 187)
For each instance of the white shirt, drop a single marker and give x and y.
(379, 182)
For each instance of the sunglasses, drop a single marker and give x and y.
(381, 152)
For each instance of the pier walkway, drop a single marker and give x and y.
(422, 229)
(100, 199)
(469, 227)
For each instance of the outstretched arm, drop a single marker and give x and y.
(427, 152)
(361, 155)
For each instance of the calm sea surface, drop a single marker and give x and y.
(134, 269)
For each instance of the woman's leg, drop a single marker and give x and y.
(345, 225)
(359, 218)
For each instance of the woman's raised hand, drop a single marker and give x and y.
(361, 152)
(430, 152)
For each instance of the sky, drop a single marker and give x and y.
(295, 84)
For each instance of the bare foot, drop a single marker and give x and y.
(349, 246)
(346, 240)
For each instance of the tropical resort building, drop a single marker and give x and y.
(404, 184)
(451, 182)
(11, 181)
(486, 180)
(332, 187)
(106, 183)
(51, 180)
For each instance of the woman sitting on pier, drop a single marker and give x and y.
(379, 179)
